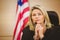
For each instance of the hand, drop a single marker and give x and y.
(39, 31)
(36, 36)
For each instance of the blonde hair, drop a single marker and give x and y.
(47, 21)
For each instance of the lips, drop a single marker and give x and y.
(37, 20)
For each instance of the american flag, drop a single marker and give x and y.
(22, 18)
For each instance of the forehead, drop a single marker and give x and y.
(36, 11)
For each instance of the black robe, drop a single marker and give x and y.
(50, 34)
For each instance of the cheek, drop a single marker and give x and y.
(33, 18)
(42, 18)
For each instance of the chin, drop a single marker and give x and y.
(39, 22)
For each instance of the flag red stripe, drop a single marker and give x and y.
(25, 1)
(22, 13)
(25, 22)
(20, 17)
(25, 10)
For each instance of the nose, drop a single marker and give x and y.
(36, 16)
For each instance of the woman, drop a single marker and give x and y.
(38, 27)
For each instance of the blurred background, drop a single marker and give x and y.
(8, 14)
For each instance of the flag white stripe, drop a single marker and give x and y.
(20, 24)
(26, 15)
(18, 28)
(25, 5)
(21, 8)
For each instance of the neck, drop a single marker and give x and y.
(42, 24)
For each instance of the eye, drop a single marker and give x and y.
(39, 14)
(33, 14)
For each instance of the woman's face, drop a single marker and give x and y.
(37, 16)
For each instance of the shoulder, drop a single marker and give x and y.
(56, 31)
(56, 27)
(53, 33)
(27, 34)
(53, 30)
(27, 30)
